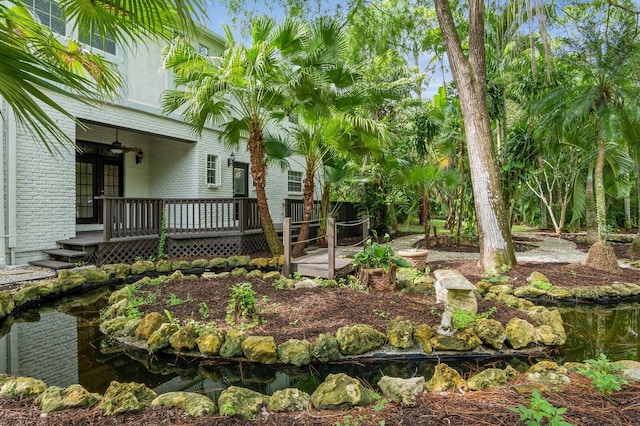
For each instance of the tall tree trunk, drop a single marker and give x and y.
(307, 208)
(426, 215)
(598, 184)
(627, 213)
(325, 207)
(258, 174)
(496, 246)
(638, 191)
(590, 216)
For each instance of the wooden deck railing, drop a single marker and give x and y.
(133, 217)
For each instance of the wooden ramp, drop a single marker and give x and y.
(316, 262)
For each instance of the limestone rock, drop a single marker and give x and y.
(259, 262)
(602, 257)
(124, 397)
(191, 403)
(150, 323)
(502, 289)
(422, 334)
(594, 292)
(551, 331)
(271, 275)
(446, 379)
(119, 294)
(548, 373)
(260, 349)
(296, 352)
(232, 346)
(114, 327)
(340, 391)
(164, 266)
(235, 261)
(94, 275)
(142, 267)
(68, 280)
(238, 272)
(326, 348)
(306, 283)
(560, 293)
(7, 304)
(22, 387)
(490, 332)
(403, 391)
(199, 263)
(75, 396)
(210, 342)
(181, 265)
(159, 339)
(400, 334)
(119, 271)
(626, 289)
(118, 309)
(288, 400)
(242, 402)
(489, 378)
(256, 273)
(631, 369)
(529, 291)
(537, 276)
(461, 340)
(218, 263)
(28, 293)
(520, 333)
(184, 338)
(359, 339)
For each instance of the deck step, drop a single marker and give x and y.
(69, 254)
(52, 264)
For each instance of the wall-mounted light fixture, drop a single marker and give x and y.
(231, 160)
(139, 156)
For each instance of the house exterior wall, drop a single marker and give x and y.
(173, 166)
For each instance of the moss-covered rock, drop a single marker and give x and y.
(520, 333)
(446, 379)
(529, 291)
(68, 280)
(7, 304)
(159, 339)
(359, 339)
(119, 271)
(548, 373)
(296, 352)
(75, 396)
(256, 273)
(422, 335)
(118, 295)
(626, 289)
(560, 292)
(118, 309)
(260, 349)
(502, 289)
(491, 332)
(94, 275)
(114, 327)
(185, 338)
(164, 266)
(125, 397)
(236, 261)
(289, 400)
(403, 391)
(232, 346)
(489, 378)
(241, 402)
(259, 262)
(276, 261)
(181, 265)
(326, 348)
(461, 340)
(28, 293)
(551, 330)
(218, 263)
(340, 391)
(22, 387)
(271, 275)
(594, 292)
(210, 342)
(142, 267)
(149, 324)
(400, 333)
(537, 276)
(200, 263)
(238, 272)
(193, 404)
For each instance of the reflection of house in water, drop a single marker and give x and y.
(47, 349)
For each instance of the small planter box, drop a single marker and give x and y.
(417, 257)
(378, 280)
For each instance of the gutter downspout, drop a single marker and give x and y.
(11, 185)
(4, 139)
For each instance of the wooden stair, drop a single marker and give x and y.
(70, 252)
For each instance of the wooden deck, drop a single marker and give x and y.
(316, 262)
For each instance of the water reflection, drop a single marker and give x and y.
(63, 346)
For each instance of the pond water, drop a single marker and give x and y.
(63, 345)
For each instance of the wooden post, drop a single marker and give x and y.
(286, 240)
(365, 229)
(242, 216)
(107, 220)
(331, 244)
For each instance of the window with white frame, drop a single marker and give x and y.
(49, 14)
(107, 45)
(213, 168)
(294, 181)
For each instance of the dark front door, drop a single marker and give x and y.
(98, 173)
(240, 180)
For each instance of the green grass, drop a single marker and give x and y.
(415, 227)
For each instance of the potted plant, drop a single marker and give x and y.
(378, 264)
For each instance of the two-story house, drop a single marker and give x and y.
(133, 163)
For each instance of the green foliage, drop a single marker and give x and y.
(376, 255)
(604, 374)
(138, 298)
(496, 278)
(381, 314)
(380, 402)
(170, 317)
(540, 412)
(174, 300)
(542, 285)
(242, 305)
(203, 310)
(462, 319)
(162, 242)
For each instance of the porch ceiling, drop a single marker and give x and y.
(105, 133)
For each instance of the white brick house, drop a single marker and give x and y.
(48, 197)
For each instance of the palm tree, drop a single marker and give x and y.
(599, 97)
(245, 92)
(34, 63)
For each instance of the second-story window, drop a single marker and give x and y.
(107, 45)
(49, 14)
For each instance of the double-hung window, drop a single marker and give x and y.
(294, 182)
(49, 14)
(213, 168)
